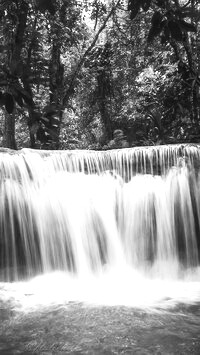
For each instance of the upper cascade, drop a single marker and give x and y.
(127, 162)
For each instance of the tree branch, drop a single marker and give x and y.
(79, 65)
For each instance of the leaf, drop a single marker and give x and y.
(34, 128)
(23, 93)
(157, 26)
(9, 102)
(16, 68)
(146, 5)
(166, 33)
(3, 48)
(130, 4)
(155, 30)
(175, 30)
(45, 119)
(41, 135)
(46, 5)
(156, 18)
(190, 12)
(28, 99)
(36, 117)
(189, 27)
(160, 3)
(19, 100)
(163, 39)
(49, 110)
(180, 107)
(134, 7)
(16, 95)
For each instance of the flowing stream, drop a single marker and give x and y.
(110, 236)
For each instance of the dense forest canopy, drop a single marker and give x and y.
(99, 74)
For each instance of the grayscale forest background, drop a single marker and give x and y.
(97, 74)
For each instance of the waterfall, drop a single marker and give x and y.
(84, 212)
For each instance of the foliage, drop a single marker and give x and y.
(32, 64)
(171, 106)
(72, 72)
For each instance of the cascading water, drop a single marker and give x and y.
(96, 216)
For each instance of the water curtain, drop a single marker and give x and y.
(87, 211)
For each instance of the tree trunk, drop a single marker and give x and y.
(56, 76)
(103, 82)
(9, 131)
(14, 59)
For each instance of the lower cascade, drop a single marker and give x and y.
(86, 213)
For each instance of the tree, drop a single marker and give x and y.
(73, 85)
(12, 59)
(44, 31)
(176, 23)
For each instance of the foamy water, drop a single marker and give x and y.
(123, 288)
